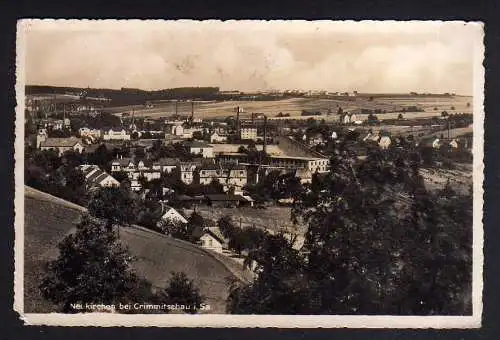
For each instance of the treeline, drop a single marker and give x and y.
(377, 242)
(129, 96)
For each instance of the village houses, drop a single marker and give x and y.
(95, 177)
(232, 177)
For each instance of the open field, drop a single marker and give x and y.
(48, 220)
(294, 106)
(460, 178)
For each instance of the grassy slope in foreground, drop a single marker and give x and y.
(48, 219)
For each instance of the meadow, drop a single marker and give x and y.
(48, 219)
(433, 106)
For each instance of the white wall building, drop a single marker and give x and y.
(116, 135)
(248, 133)
(203, 149)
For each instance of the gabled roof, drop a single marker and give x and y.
(123, 161)
(61, 142)
(199, 232)
(147, 162)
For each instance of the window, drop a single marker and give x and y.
(209, 242)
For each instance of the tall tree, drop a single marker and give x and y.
(92, 267)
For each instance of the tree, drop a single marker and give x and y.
(372, 119)
(114, 204)
(92, 267)
(182, 291)
(198, 135)
(400, 116)
(444, 114)
(377, 242)
(175, 229)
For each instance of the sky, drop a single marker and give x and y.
(375, 57)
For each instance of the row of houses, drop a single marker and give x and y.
(231, 176)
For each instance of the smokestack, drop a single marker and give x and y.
(238, 120)
(176, 108)
(265, 133)
(192, 111)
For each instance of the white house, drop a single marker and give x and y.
(212, 239)
(177, 130)
(436, 143)
(187, 171)
(173, 215)
(248, 132)
(201, 148)
(217, 138)
(231, 177)
(454, 144)
(87, 132)
(165, 164)
(116, 135)
(384, 142)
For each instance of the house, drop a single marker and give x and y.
(334, 135)
(384, 142)
(230, 176)
(217, 138)
(312, 164)
(210, 238)
(317, 139)
(172, 215)
(61, 144)
(248, 132)
(201, 148)
(95, 177)
(347, 118)
(166, 165)
(177, 130)
(453, 143)
(87, 132)
(123, 164)
(116, 135)
(135, 170)
(187, 171)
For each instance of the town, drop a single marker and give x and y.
(181, 162)
(223, 182)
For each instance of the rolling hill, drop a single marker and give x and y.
(48, 219)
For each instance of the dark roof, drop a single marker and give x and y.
(60, 142)
(167, 161)
(123, 161)
(224, 197)
(199, 232)
(198, 144)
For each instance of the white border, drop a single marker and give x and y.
(252, 321)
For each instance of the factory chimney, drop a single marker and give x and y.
(192, 111)
(238, 120)
(265, 134)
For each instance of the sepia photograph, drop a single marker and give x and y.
(185, 173)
